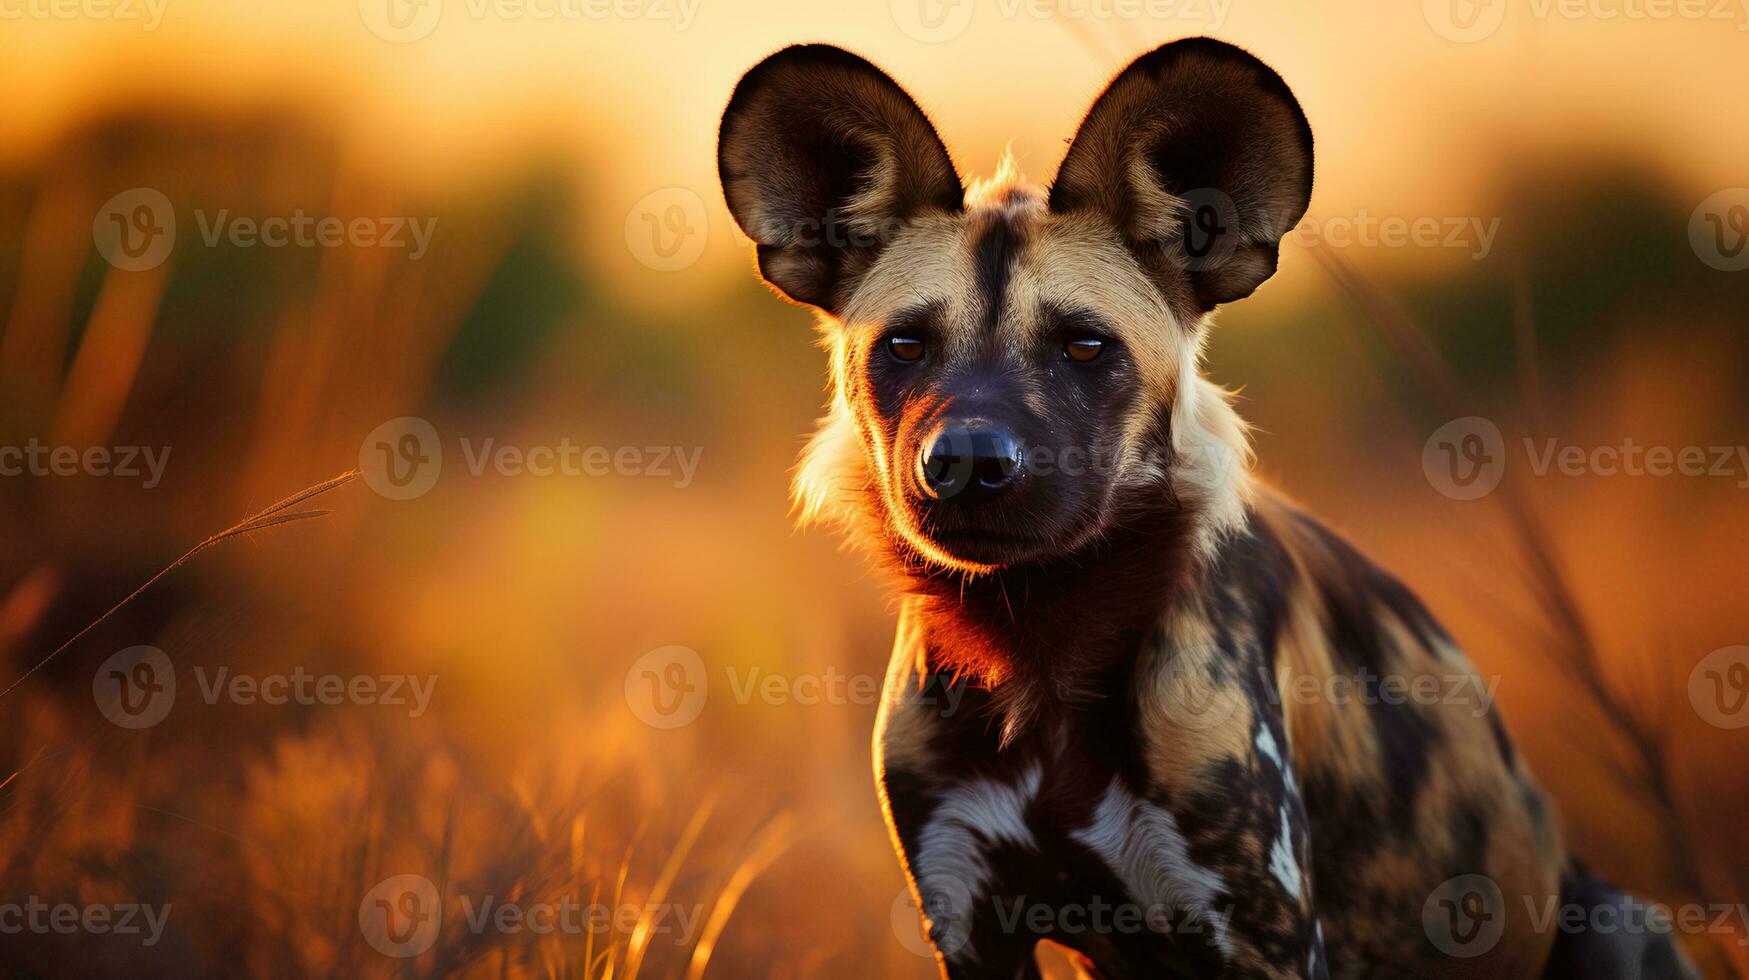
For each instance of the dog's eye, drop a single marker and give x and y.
(1083, 350)
(905, 348)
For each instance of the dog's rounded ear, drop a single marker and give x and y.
(1202, 158)
(823, 158)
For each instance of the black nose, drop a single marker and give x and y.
(970, 458)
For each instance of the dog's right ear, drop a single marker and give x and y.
(1200, 156)
(823, 158)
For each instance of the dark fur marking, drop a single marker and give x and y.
(995, 253)
(1406, 740)
(910, 798)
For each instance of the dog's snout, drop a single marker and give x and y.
(970, 458)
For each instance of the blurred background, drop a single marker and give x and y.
(263, 244)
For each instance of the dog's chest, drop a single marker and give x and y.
(1057, 842)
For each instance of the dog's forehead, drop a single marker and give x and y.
(1002, 266)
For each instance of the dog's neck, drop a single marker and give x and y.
(1056, 635)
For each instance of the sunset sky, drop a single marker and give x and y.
(1408, 122)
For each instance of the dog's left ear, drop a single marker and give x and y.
(1202, 158)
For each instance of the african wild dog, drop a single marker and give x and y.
(1095, 699)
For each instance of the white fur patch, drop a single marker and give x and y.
(1143, 846)
(1281, 857)
(1266, 745)
(952, 869)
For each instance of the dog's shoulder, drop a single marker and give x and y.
(1393, 738)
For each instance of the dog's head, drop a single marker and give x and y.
(1015, 370)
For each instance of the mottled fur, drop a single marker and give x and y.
(1097, 696)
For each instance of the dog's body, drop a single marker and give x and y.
(1205, 785)
(1138, 705)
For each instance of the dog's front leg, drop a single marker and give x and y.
(953, 842)
(958, 835)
